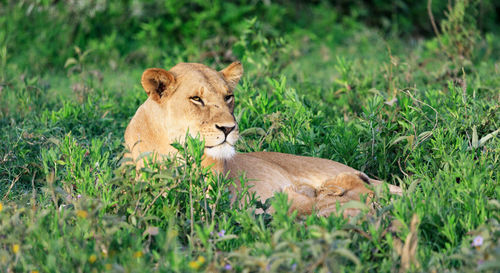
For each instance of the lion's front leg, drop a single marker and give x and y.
(302, 199)
(323, 201)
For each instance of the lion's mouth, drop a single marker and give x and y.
(223, 150)
(222, 143)
(226, 141)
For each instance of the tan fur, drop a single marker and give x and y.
(197, 99)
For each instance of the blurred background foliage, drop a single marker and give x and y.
(145, 32)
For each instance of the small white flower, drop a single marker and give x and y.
(477, 241)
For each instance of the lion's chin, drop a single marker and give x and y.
(222, 151)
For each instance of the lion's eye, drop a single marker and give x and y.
(228, 98)
(197, 100)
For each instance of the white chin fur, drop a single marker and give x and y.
(223, 151)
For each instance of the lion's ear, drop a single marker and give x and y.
(157, 82)
(233, 73)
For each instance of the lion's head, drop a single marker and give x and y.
(196, 99)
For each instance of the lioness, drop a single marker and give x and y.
(194, 97)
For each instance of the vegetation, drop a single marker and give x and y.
(347, 82)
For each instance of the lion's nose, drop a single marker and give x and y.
(225, 129)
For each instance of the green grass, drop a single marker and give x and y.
(399, 109)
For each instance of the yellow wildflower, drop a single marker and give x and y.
(1, 206)
(92, 258)
(34, 271)
(108, 266)
(15, 248)
(196, 264)
(82, 213)
(201, 259)
(138, 254)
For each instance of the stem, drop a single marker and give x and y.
(191, 205)
(433, 23)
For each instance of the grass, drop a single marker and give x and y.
(399, 109)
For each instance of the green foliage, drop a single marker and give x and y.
(459, 30)
(135, 29)
(422, 114)
(410, 17)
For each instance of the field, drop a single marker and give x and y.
(375, 87)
